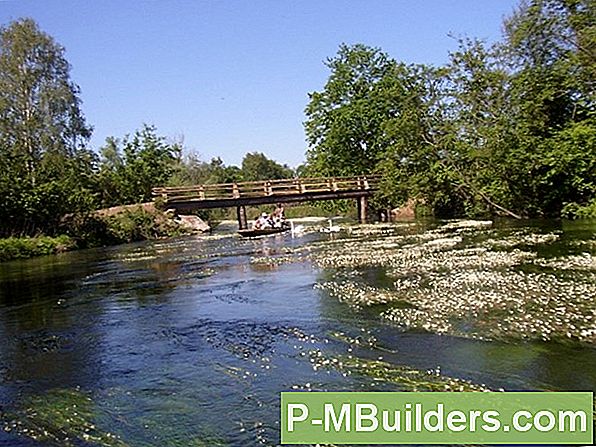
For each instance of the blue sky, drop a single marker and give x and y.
(233, 76)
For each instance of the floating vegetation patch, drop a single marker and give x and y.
(421, 262)
(521, 239)
(243, 339)
(586, 244)
(467, 225)
(42, 342)
(364, 339)
(450, 280)
(584, 261)
(285, 255)
(357, 295)
(378, 372)
(403, 377)
(62, 417)
(203, 272)
(379, 230)
(276, 260)
(158, 415)
(502, 305)
(427, 254)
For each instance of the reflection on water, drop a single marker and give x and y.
(151, 343)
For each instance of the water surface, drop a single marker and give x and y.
(189, 341)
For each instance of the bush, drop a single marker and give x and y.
(93, 230)
(576, 211)
(27, 247)
(130, 225)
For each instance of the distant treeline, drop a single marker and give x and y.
(502, 129)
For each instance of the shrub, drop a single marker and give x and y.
(27, 247)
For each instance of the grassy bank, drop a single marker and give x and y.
(93, 230)
(28, 247)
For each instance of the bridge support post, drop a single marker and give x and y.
(241, 215)
(362, 203)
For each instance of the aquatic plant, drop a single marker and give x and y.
(448, 280)
(62, 417)
(404, 378)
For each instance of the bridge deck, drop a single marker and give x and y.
(267, 192)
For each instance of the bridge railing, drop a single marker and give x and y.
(222, 191)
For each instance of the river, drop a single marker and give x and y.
(188, 342)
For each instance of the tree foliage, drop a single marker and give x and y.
(256, 166)
(504, 129)
(344, 125)
(45, 169)
(130, 168)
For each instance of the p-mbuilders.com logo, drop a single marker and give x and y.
(437, 418)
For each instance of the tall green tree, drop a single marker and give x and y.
(45, 167)
(550, 46)
(377, 115)
(256, 166)
(505, 129)
(415, 162)
(130, 168)
(480, 123)
(39, 104)
(344, 121)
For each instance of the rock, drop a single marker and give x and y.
(407, 211)
(193, 223)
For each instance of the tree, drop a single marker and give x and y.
(39, 105)
(220, 173)
(375, 115)
(45, 166)
(506, 129)
(478, 119)
(414, 164)
(550, 46)
(130, 168)
(343, 121)
(256, 166)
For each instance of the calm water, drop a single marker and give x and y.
(190, 341)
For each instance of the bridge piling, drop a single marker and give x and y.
(241, 215)
(362, 203)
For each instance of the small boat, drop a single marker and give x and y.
(262, 231)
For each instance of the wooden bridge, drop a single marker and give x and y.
(241, 194)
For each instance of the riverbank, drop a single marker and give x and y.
(135, 223)
(101, 229)
(28, 247)
(129, 223)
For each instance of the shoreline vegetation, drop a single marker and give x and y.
(125, 224)
(95, 230)
(28, 247)
(506, 128)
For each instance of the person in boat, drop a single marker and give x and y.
(278, 216)
(279, 212)
(262, 222)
